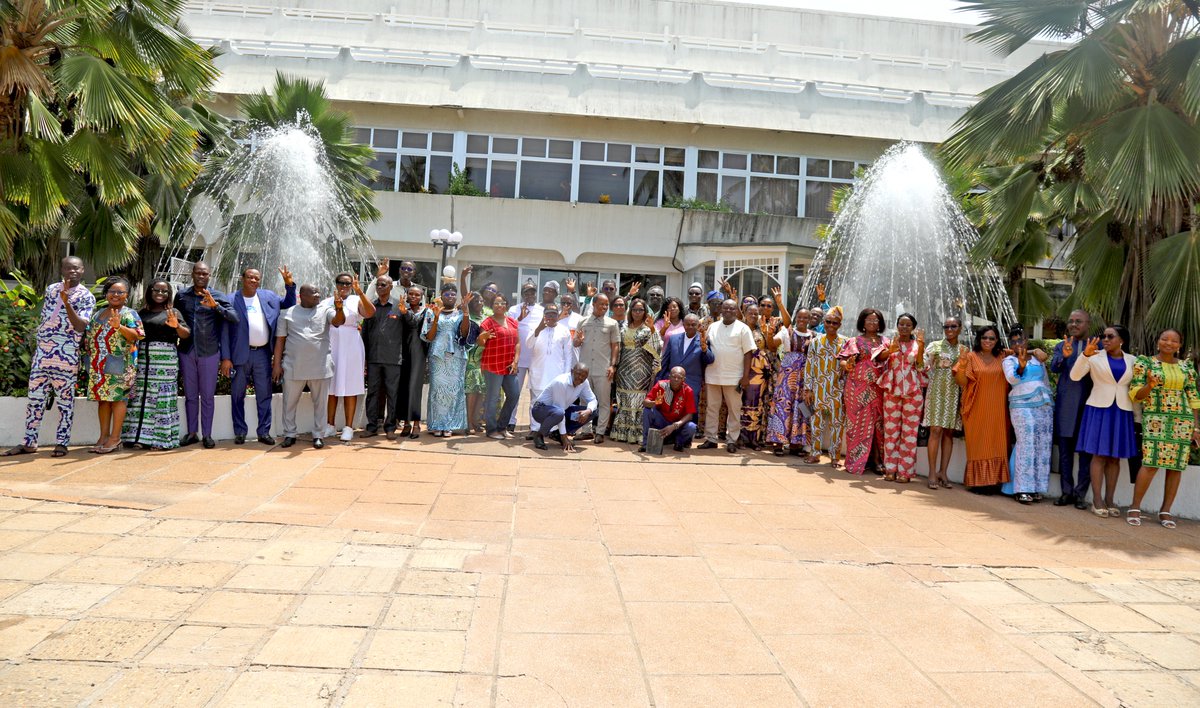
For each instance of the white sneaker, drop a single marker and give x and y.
(329, 431)
(347, 434)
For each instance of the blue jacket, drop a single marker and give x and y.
(1070, 396)
(692, 360)
(235, 338)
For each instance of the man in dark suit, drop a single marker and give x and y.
(689, 351)
(1069, 400)
(247, 349)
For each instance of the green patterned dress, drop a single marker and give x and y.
(943, 398)
(1168, 414)
(103, 341)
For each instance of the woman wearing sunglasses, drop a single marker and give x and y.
(1106, 431)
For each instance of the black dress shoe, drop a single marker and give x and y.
(512, 428)
(1064, 500)
(287, 442)
(641, 448)
(680, 448)
(239, 439)
(318, 443)
(209, 443)
(1081, 505)
(539, 442)
(707, 445)
(730, 447)
(368, 433)
(266, 439)
(189, 439)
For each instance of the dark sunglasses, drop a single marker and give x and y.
(406, 269)
(342, 283)
(832, 322)
(381, 286)
(1110, 336)
(950, 327)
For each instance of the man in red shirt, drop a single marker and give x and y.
(670, 409)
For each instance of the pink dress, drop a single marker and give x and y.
(863, 403)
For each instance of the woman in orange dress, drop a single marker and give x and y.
(980, 373)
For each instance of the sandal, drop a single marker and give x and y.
(59, 451)
(1167, 523)
(903, 480)
(945, 483)
(812, 459)
(889, 477)
(932, 484)
(1133, 520)
(19, 450)
(1100, 511)
(1114, 512)
(779, 452)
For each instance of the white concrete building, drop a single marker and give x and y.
(583, 119)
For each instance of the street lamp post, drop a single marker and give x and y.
(447, 240)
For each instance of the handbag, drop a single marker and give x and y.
(114, 365)
(922, 436)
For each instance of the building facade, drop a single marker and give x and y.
(586, 123)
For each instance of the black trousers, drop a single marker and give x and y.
(383, 396)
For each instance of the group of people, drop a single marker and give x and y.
(599, 365)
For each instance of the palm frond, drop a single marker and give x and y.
(1099, 261)
(108, 98)
(1176, 265)
(1009, 25)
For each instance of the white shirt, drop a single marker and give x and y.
(572, 321)
(729, 344)
(525, 328)
(257, 321)
(562, 392)
(551, 355)
(687, 341)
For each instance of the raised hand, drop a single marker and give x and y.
(484, 338)
(466, 300)
(467, 271)
(579, 337)
(1068, 349)
(524, 311)
(172, 318)
(354, 285)
(208, 300)
(820, 292)
(436, 308)
(381, 268)
(569, 283)
(1092, 347)
(776, 293)
(337, 300)
(62, 294)
(920, 335)
(635, 288)
(1022, 354)
(702, 335)
(591, 290)
(287, 276)
(114, 320)
(893, 346)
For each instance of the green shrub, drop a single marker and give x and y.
(698, 204)
(20, 310)
(461, 184)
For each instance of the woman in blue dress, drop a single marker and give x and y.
(1106, 431)
(1031, 409)
(446, 329)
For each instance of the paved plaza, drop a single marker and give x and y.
(479, 573)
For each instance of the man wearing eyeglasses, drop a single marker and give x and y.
(1069, 400)
(402, 284)
(207, 312)
(248, 347)
(383, 336)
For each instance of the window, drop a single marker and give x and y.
(619, 173)
(409, 161)
(824, 178)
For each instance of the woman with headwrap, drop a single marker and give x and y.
(824, 385)
(446, 330)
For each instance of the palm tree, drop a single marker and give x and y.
(1101, 134)
(99, 129)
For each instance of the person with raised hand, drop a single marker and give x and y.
(1031, 410)
(980, 374)
(528, 315)
(733, 347)
(383, 341)
(66, 308)
(943, 400)
(1070, 397)
(111, 342)
(152, 416)
(206, 312)
(1107, 429)
(500, 339)
(641, 348)
(863, 361)
(1165, 385)
(349, 356)
(903, 389)
(446, 328)
(598, 343)
(248, 346)
(303, 357)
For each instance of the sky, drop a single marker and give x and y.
(941, 10)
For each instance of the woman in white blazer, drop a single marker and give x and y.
(1107, 430)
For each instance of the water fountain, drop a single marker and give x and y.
(273, 202)
(900, 243)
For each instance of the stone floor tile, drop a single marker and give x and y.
(20, 634)
(439, 559)
(551, 556)
(104, 569)
(282, 578)
(33, 566)
(11, 539)
(68, 542)
(353, 579)
(99, 640)
(416, 494)
(1010, 690)
(402, 689)
(281, 688)
(788, 606)
(1173, 616)
(183, 574)
(696, 638)
(635, 513)
(415, 650)
(1147, 688)
(57, 599)
(457, 483)
(333, 478)
(563, 604)
(314, 647)
(1174, 652)
(177, 528)
(371, 556)
(143, 547)
(245, 531)
(37, 521)
(417, 612)
(984, 593)
(553, 498)
(473, 507)
(1107, 617)
(762, 560)
(667, 579)
(137, 602)
(226, 607)
(436, 582)
(559, 669)
(1093, 652)
(296, 552)
(1131, 592)
(1056, 592)
(952, 640)
(107, 524)
(557, 523)
(204, 645)
(829, 671)
(721, 691)
(1183, 590)
(1035, 618)
(47, 683)
(338, 610)
(164, 688)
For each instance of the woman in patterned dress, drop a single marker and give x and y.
(901, 386)
(824, 389)
(755, 402)
(943, 400)
(641, 351)
(111, 339)
(1031, 409)
(475, 385)
(980, 374)
(446, 332)
(862, 360)
(152, 420)
(786, 423)
(1165, 385)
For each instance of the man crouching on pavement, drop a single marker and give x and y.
(556, 407)
(670, 409)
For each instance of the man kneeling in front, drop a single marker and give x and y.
(555, 409)
(670, 409)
